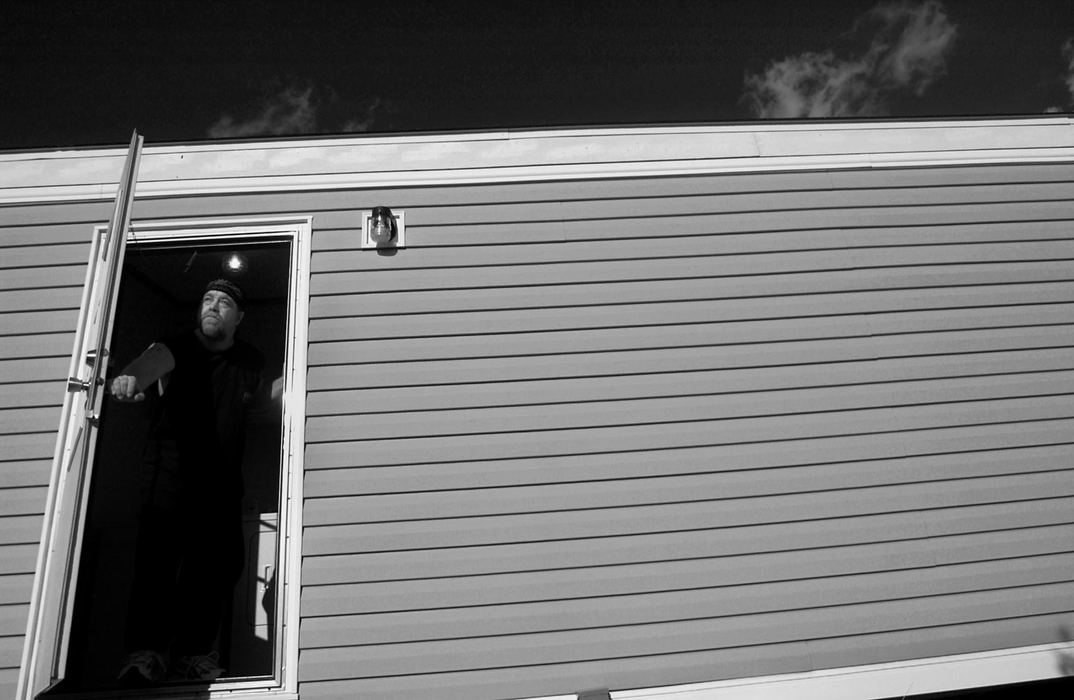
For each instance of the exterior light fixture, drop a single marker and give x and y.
(381, 229)
(382, 225)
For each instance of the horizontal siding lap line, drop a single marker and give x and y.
(14, 325)
(681, 409)
(1059, 363)
(511, 253)
(1050, 609)
(348, 384)
(696, 299)
(907, 455)
(21, 529)
(20, 447)
(347, 567)
(374, 411)
(687, 421)
(27, 395)
(464, 298)
(716, 243)
(954, 374)
(956, 286)
(593, 390)
(865, 305)
(337, 229)
(28, 347)
(982, 441)
(20, 502)
(313, 503)
(45, 259)
(662, 289)
(704, 246)
(624, 373)
(740, 443)
(638, 338)
(1041, 557)
(798, 307)
(807, 328)
(41, 299)
(15, 588)
(883, 538)
(373, 647)
(27, 420)
(1048, 574)
(692, 265)
(332, 639)
(681, 530)
(19, 559)
(1034, 470)
(32, 279)
(635, 230)
(23, 473)
(591, 277)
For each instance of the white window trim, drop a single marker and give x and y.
(284, 683)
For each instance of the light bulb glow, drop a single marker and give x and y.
(234, 264)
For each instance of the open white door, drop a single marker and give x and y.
(52, 602)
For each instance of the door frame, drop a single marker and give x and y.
(45, 647)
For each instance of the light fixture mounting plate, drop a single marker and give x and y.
(400, 232)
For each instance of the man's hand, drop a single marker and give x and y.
(125, 388)
(151, 365)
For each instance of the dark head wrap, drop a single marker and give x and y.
(230, 288)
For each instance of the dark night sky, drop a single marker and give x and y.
(86, 73)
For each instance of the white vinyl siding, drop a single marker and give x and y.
(42, 269)
(639, 431)
(630, 434)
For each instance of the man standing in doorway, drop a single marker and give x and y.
(190, 544)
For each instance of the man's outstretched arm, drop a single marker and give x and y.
(151, 365)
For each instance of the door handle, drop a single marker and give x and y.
(76, 384)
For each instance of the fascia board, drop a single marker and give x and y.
(499, 157)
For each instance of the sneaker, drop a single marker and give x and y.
(142, 668)
(205, 667)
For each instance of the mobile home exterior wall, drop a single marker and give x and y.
(633, 408)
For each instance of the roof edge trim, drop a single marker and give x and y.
(533, 157)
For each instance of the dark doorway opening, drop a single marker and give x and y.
(161, 285)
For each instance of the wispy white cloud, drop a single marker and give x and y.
(305, 109)
(373, 110)
(1068, 78)
(290, 111)
(908, 45)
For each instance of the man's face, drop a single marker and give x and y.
(219, 315)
